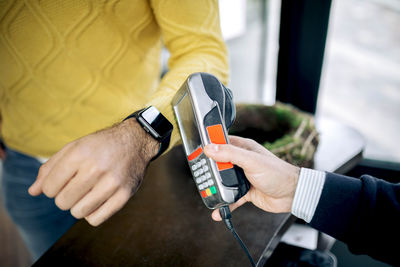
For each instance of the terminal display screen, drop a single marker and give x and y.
(191, 137)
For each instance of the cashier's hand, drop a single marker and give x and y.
(95, 176)
(273, 181)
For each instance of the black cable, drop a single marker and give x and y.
(226, 217)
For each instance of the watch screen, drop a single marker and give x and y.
(157, 121)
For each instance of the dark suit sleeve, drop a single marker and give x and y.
(364, 213)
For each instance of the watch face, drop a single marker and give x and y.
(157, 121)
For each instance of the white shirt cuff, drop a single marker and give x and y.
(42, 159)
(308, 193)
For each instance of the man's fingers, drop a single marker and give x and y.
(248, 144)
(240, 141)
(230, 153)
(216, 216)
(102, 191)
(75, 190)
(226, 153)
(111, 206)
(36, 188)
(57, 178)
(64, 167)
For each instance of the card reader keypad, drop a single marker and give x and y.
(202, 176)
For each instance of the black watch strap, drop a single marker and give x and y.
(164, 144)
(162, 127)
(134, 114)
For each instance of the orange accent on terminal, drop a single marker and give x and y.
(195, 154)
(217, 136)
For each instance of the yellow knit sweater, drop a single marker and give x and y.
(71, 67)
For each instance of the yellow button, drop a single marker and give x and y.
(208, 191)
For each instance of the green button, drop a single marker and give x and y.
(213, 190)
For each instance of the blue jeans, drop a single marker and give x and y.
(39, 221)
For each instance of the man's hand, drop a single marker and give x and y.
(273, 181)
(95, 176)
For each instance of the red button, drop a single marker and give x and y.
(216, 135)
(204, 193)
(195, 154)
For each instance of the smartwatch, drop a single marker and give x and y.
(156, 125)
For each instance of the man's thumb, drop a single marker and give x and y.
(228, 153)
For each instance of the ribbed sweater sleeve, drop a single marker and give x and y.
(191, 32)
(364, 213)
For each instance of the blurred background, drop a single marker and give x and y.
(360, 71)
(339, 60)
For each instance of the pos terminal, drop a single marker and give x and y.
(204, 110)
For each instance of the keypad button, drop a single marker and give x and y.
(194, 167)
(208, 192)
(201, 171)
(204, 193)
(201, 187)
(207, 175)
(203, 161)
(205, 185)
(213, 190)
(205, 168)
(196, 173)
(198, 180)
(210, 182)
(198, 165)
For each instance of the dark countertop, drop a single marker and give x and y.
(166, 223)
